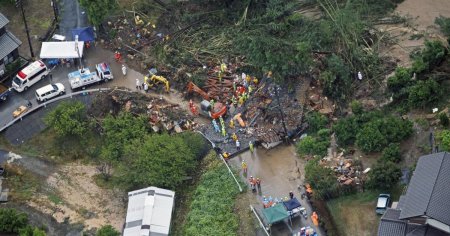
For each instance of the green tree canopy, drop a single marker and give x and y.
(159, 160)
(98, 10)
(392, 153)
(68, 118)
(11, 221)
(107, 230)
(31, 231)
(444, 138)
(384, 175)
(322, 180)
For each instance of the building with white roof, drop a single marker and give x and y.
(149, 212)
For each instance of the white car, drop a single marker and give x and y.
(49, 91)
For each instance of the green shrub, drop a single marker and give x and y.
(31, 231)
(336, 80)
(370, 138)
(346, 130)
(399, 81)
(312, 146)
(107, 230)
(316, 121)
(424, 93)
(431, 56)
(356, 107)
(444, 24)
(158, 160)
(384, 175)
(444, 139)
(68, 118)
(392, 153)
(322, 180)
(443, 118)
(11, 221)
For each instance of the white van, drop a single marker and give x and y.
(29, 76)
(49, 91)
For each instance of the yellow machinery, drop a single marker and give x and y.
(153, 80)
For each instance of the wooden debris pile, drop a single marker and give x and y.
(161, 114)
(347, 171)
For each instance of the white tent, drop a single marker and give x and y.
(61, 50)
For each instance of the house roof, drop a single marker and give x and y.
(8, 43)
(390, 225)
(3, 21)
(428, 191)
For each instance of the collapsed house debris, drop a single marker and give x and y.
(258, 111)
(161, 114)
(348, 171)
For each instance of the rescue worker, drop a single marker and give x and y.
(234, 137)
(232, 124)
(255, 81)
(124, 70)
(211, 102)
(216, 126)
(258, 183)
(238, 145)
(145, 87)
(226, 155)
(244, 167)
(138, 84)
(250, 145)
(291, 194)
(224, 132)
(117, 56)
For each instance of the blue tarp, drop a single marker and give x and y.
(84, 34)
(292, 204)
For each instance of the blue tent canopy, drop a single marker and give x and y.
(84, 34)
(292, 204)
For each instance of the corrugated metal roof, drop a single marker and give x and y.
(3, 20)
(8, 43)
(401, 202)
(391, 214)
(439, 206)
(149, 212)
(422, 186)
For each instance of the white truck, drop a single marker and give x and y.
(84, 77)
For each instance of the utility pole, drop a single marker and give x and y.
(55, 9)
(19, 3)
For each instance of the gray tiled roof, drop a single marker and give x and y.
(390, 225)
(439, 206)
(3, 21)
(8, 43)
(422, 186)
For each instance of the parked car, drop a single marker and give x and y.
(49, 91)
(4, 92)
(19, 111)
(383, 203)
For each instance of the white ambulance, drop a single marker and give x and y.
(30, 75)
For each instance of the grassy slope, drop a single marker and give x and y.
(355, 214)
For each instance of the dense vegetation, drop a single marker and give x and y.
(322, 180)
(13, 221)
(419, 86)
(126, 143)
(372, 131)
(107, 230)
(318, 139)
(211, 210)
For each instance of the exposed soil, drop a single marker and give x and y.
(420, 23)
(72, 196)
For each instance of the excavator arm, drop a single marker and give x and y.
(154, 79)
(191, 87)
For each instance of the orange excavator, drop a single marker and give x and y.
(215, 111)
(191, 87)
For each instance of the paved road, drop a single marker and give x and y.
(71, 16)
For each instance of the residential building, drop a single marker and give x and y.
(9, 45)
(425, 208)
(149, 212)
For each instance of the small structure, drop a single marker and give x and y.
(61, 50)
(9, 45)
(149, 212)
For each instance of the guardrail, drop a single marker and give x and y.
(33, 109)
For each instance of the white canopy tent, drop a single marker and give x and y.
(61, 50)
